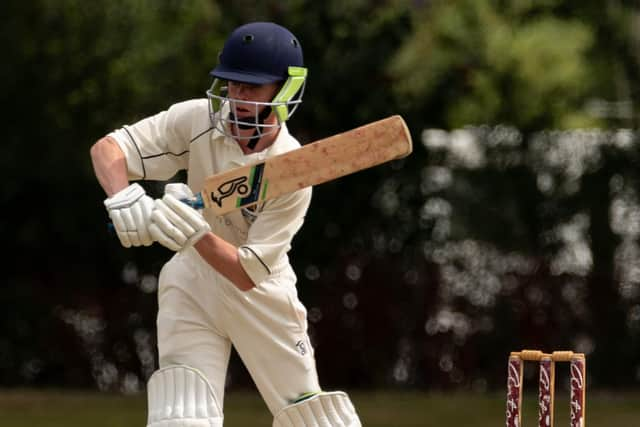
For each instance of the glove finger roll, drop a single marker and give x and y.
(187, 213)
(124, 238)
(175, 217)
(161, 218)
(145, 208)
(120, 227)
(162, 238)
(130, 216)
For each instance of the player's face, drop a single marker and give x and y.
(252, 93)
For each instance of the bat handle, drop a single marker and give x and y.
(195, 202)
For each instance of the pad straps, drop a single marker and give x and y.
(332, 409)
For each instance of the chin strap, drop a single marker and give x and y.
(253, 141)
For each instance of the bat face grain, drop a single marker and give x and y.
(312, 164)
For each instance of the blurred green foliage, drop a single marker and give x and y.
(499, 232)
(528, 64)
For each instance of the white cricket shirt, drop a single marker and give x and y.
(183, 137)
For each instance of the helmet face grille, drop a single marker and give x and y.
(285, 103)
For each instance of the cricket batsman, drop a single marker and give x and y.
(230, 281)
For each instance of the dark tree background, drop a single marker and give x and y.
(514, 224)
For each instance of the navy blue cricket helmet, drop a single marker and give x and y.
(259, 53)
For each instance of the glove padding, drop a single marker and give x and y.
(179, 190)
(175, 224)
(130, 211)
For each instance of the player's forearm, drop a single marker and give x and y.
(223, 257)
(109, 165)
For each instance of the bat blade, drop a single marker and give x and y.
(312, 164)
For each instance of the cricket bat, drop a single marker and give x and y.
(312, 164)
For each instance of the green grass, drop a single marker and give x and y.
(33, 408)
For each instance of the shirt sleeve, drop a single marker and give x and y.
(157, 147)
(271, 234)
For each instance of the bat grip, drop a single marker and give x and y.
(195, 202)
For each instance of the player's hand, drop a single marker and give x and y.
(130, 211)
(175, 224)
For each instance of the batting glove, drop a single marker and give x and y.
(180, 191)
(176, 225)
(130, 211)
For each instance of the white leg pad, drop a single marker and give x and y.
(333, 409)
(180, 396)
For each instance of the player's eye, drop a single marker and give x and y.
(246, 86)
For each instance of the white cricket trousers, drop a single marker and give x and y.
(201, 314)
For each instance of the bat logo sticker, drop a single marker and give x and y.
(226, 189)
(248, 189)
